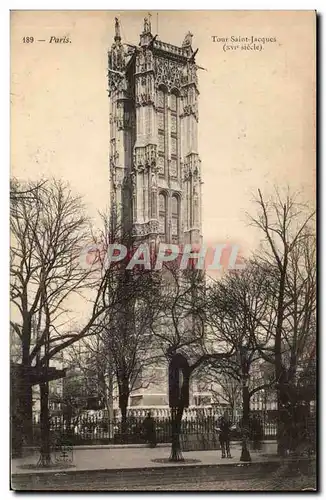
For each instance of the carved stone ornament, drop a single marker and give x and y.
(117, 82)
(195, 171)
(191, 109)
(160, 121)
(113, 159)
(173, 168)
(173, 145)
(145, 157)
(117, 177)
(161, 165)
(147, 25)
(117, 58)
(133, 183)
(144, 99)
(154, 178)
(140, 62)
(144, 61)
(191, 168)
(147, 228)
(187, 40)
(151, 154)
(186, 172)
(161, 142)
(125, 122)
(168, 73)
(148, 60)
(173, 124)
(192, 73)
(116, 67)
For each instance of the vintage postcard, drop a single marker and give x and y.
(163, 250)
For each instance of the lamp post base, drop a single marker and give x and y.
(245, 455)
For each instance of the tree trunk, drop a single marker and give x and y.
(109, 405)
(123, 409)
(176, 417)
(234, 411)
(123, 405)
(284, 421)
(26, 395)
(26, 406)
(18, 396)
(45, 458)
(245, 454)
(279, 370)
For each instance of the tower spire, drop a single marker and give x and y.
(117, 36)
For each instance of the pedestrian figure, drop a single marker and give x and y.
(149, 430)
(224, 428)
(256, 429)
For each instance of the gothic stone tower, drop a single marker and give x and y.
(155, 169)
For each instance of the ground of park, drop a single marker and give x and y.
(137, 467)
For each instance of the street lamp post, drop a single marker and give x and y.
(245, 454)
(179, 375)
(45, 451)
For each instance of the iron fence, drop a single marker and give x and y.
(94, 429)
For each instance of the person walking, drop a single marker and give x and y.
(256, 431)
(224, 428)
(149, 430)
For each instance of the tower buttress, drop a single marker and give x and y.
(121, 132)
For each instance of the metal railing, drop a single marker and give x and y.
(94, 429)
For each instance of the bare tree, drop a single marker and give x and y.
(19, 192)
(239, 304)
(73, 400)
(50, 232)
(128, 342)
(287, 226)
(180, 331)
(48, 229)
(225, 390)
(299, 327)
(93, 364)
(121, 354)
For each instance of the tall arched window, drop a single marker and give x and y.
(174, 134)
(154, 205)
(162, 125)
(175, 218)
(162, 216)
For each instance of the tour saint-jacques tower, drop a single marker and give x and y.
(155, 169)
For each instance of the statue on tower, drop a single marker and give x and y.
(187, 40)
(117, 37)
(147, 24)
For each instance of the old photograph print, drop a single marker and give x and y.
(163, 251)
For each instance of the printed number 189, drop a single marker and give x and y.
(28, 39)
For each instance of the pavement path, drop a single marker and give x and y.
(116, 458)
(123, 468)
